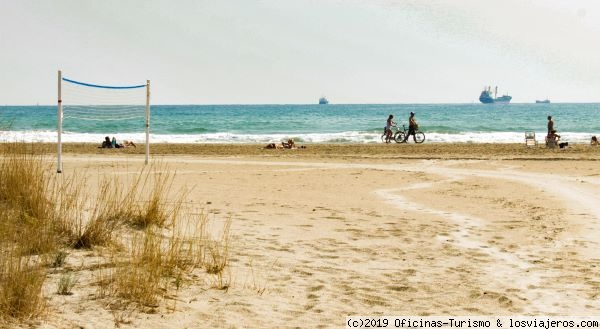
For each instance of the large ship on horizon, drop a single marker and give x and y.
(323, 100)
(486, 96)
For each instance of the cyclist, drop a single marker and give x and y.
(412, 127)
(388, 128)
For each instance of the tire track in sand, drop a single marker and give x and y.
(512, 269)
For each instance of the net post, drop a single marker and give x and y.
(147, 121)
(59, 117)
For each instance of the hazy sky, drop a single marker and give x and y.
(294, 51)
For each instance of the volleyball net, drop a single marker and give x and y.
(103, 107)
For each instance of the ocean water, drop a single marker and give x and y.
(356, 123)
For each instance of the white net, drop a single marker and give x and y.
(82, 103)
(89, 102)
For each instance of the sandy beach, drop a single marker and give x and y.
(335, 230)
(299, 164)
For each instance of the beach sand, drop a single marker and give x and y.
(335, 230)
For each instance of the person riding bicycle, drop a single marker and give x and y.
(412, 127)
(388, 128)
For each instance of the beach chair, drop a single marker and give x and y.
(530, 139)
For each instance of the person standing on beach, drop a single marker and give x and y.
(550, 125)
(388, 128)
(412, 127)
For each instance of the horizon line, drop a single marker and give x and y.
(325, 105)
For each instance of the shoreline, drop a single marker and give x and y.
(462, 151)
(349, 136)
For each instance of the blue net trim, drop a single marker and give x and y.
(100, 86)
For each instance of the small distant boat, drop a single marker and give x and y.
(545, 101)
(486, 96)
(323, 101)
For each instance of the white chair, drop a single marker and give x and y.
(530, 139)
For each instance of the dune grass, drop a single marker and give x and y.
(21, 280)
(141, 280)
(28, 210)
(58, 215)
(157, 265)
(27, 231)
(66, 283)
(218, 259)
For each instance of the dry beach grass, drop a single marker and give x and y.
(43, 214)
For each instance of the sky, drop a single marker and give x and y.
(294, 51)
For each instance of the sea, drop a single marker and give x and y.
(332, 123)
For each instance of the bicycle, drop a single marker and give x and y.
(400, 135)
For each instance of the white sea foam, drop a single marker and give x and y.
(341, 137)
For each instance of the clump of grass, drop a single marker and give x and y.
(21, 281)
(66, 283)
(141, 202)
(27, 227)
(140, 280)
(83, 228)
(154, 211)
(24, 191)
(24, 184)
(219, 257)
(156, 264)
(188, 250)
(59, 259)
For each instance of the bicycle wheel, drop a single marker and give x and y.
(419, 137)
(399, 137)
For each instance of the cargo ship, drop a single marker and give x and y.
(323, 101)
(545, 101)
(486, 96)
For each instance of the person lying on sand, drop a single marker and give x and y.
(127, 143)
(273, 146)
(594, 141)
(290, 144)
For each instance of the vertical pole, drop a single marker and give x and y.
(59, 117)
(147, 121)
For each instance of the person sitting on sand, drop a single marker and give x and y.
(289, 145)
(115, 144)
(594, 141)
(552, 139)
(106, 144)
